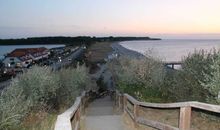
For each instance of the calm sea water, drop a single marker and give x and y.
(171, 50)
(7, 49)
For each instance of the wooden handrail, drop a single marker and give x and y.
(194, 104)
(185, 112)
(63, 121)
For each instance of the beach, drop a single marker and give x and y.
(119, 49)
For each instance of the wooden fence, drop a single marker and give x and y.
(131, 106)
(70, 119)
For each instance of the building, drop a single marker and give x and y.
(25, 56)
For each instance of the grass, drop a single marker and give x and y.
(98, 51)
(39, 121)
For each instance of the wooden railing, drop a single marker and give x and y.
(70, 119)
(131, 106)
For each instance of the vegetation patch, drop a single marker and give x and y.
(149, 80)
(98, 52)
(141, 78)
(42, 92)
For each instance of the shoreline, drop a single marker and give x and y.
(124, 51)
(119, 49)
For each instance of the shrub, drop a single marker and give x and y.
(142, 78)
(147, 78)
(40, 87)
(71, 83)
(13, 107)
(187, 82)
(211, 82)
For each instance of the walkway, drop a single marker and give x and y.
(101, 116)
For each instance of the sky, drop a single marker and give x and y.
(155, 18)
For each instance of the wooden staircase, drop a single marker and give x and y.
(101, 116)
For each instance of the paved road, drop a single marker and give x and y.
(68, 60)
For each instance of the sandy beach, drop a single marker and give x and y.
(119, 49)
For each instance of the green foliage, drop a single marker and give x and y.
(71, 82)
(13, 107)
(148, 80)
(39, 85)
(184, 85)
(37, 88)
(193, 81)
(211, 82)
(142, 78)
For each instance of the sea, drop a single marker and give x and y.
(171, 50)
(7, 49)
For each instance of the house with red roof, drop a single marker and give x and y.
(24, 56)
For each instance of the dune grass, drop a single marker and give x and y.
(35, 97)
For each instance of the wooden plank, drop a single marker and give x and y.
(130, 106)
(165, 105)
(185, 118)
(155, 124)
(205, 106)
(130, 114)
(198, 105)
(135, 111)
(131, 99)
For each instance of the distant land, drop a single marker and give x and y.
(79, 40)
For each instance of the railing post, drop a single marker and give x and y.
(79, 115)
(116, 100)
(119, 102)
(124, 103)
(83, 105)
(135, 111)
(185, 118)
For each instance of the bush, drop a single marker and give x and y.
(37, 88)
(211, 82)
(71, 83)
(13, 107)
(39, 85)
(142, 78)
(188, 82)
(148, 80)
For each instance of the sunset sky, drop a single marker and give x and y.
(159, 18)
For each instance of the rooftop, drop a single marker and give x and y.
(25, 51)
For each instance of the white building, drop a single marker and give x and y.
(23, 57)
